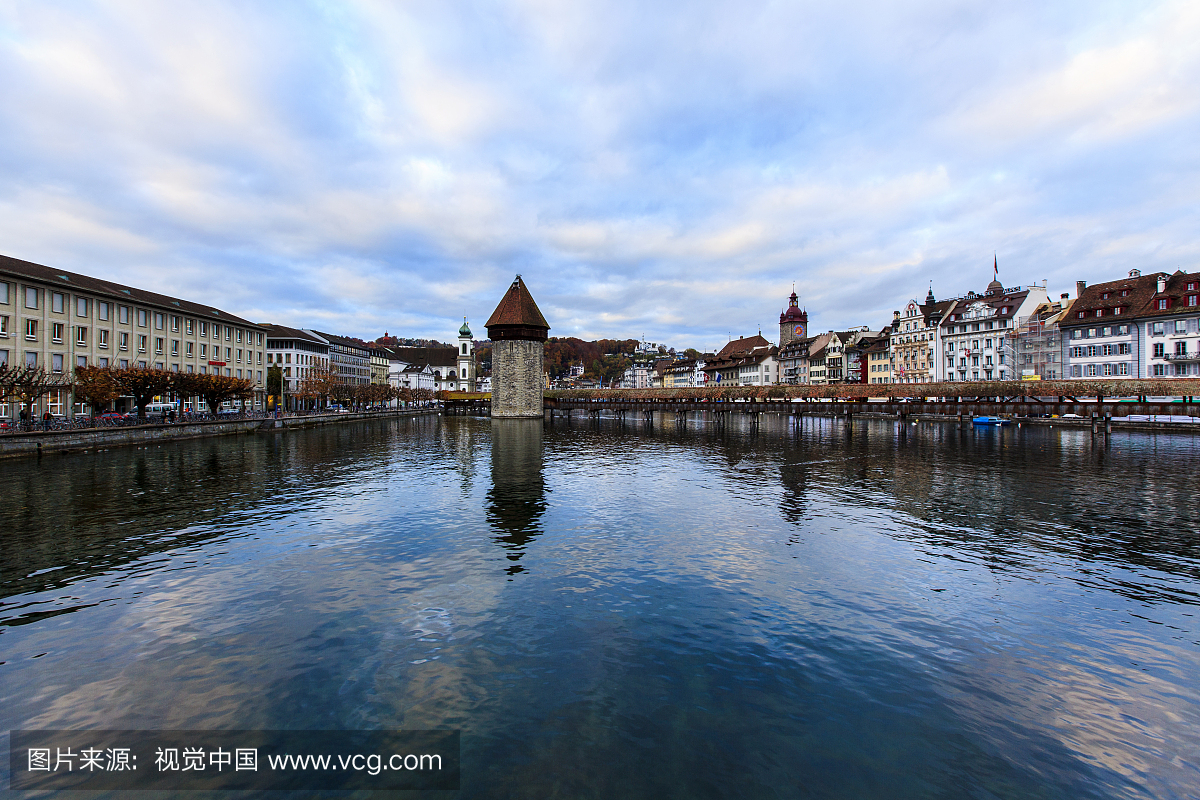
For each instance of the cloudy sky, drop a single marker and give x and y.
(666, 170)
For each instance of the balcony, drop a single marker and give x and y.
(1182, 356)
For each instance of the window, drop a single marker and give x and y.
(188, 348)
(204, 370)
(174, 326)
(124, 362)
(204, 329)
(81, 361)
(260, 358)
(142, 343)
(158, 321)
(1123, 349)
(239, 373)
(228, 333)
(31, 297)
(1091, 351)
(228, 354)
(123, 341)
(1118, 310)
(1181, 369)
(1104, 296)
(1123, 368)
(1162, 303)
(56, 362)
(31, 329)
(81, 336)
(1156, 329)
(102, 338)
(1108, 370)
(239, 355)
(1159, 350)
(190, 368)
(4, 297)
(30, 358)
(56, 332)
(81, 306)
(204, 351)
(239, 335)
(1082, 314)
(102, 311)
(1075, 334)
(260, 340)
(102, 362)
(141, 318)
(1181, 326)
(58, 303)
(1191, 287)
(4, 325)
(1158, 370)
(1106, 332)
(123, 314)
(175, 347)
(189, 326)
(158, 345)
(1124, 293)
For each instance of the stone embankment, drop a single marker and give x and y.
(46, 442)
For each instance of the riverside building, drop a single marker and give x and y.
(61, 320)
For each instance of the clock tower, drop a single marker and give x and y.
(793, 322)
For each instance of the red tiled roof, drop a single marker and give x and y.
(517, 310)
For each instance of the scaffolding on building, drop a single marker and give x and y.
(1037, 346)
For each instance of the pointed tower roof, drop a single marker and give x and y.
(465, 330)
(517, 316)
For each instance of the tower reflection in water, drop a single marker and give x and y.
(517, 499)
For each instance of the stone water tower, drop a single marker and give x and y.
(517, 330)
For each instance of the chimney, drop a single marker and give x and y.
(1064, 296)
(1079, 287)
(1162, 283)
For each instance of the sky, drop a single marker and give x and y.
(665, 171)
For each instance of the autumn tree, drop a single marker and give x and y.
(142, 384)
(96, 386)
(30, 384)
(214, 389)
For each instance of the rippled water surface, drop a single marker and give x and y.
(611, 611)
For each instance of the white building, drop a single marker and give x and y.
(974, 339)
(297, 353)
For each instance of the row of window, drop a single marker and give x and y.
(57, 361)
(1119, 369)
(104, 311)
(1098, 350)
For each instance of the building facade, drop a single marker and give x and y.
(60, 320)
(974, 338)
(297, 353)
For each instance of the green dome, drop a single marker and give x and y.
(464, 330)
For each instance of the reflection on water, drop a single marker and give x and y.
(517, 497)
(615, 611)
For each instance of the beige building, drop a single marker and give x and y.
(59, 320)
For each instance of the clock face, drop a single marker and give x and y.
(799, 331)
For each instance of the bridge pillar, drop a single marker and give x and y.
(1108, 423)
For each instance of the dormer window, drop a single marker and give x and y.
(1099, 312)
(1004, 310)
(1163, 303)
(1124, 293)
(1082, 314)
(1191, 300)
(1191, 287)
(1118, 310)
(1104, 296)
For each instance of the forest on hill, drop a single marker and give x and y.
(603, 359)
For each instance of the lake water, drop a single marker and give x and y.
(620, 612)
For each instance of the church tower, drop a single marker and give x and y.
(793, 322)
(466, 358)
(517, 330)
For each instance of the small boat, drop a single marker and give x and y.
(991, 421)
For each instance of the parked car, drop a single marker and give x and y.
(114, 415)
